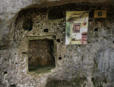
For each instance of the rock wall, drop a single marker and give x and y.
(88, 65)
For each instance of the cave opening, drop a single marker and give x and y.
(41, 55)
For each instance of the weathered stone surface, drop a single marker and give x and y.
(88, 65)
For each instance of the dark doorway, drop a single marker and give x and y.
(41, 55)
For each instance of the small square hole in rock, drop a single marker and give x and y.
(45, 30)
(41, 55)
(96, 29)
(13, 85)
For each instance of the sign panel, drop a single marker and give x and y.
(100, 14)
(76, 27)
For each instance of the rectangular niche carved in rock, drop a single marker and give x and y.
(41, 55)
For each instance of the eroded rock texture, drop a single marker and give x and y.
(90, 65)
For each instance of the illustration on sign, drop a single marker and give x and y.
(76, 27)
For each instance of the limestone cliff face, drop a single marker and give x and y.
(90, 65)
